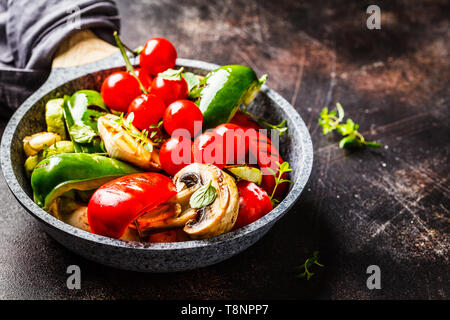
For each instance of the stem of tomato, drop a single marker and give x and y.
(281, 127)
(130, 68)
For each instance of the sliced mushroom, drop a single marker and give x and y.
(216, 218)
(165, 216)
(122, 144)
(35, 143)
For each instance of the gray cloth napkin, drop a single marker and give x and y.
(30, 33)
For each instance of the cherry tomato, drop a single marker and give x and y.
(148, 109)
(175, 154)
(253, 203)
(208, 149)
(262, 152)
(244, 121)
(233, 141)
(169, 90)
(119, 202)
(158, 55)
(145, 79)
(119, 89)
(183, 114)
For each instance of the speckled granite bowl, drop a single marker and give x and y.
(152, 257)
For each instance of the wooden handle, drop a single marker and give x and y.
(82, 48)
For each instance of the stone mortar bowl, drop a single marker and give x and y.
(296, 148)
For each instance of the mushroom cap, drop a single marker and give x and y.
(219, 216)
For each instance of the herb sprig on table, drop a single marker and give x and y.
(308, 264)
(332, 120)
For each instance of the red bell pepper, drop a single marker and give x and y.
(119, 202)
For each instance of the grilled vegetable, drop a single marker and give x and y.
(118, 203)
(247, 173)
(81, 112)
(38, 141)
(56, 148)
(210, 218)
(61, 173)
(128, 143)
(223, 90)
(54, 117)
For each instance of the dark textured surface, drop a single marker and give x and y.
(388, 207)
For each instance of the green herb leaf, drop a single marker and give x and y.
(82, 133)
(203, 197)
(308, 263)
(330, 121)
(191, 80)
(282, 169)
(171, 74)
(372, 145)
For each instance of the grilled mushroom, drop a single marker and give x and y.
(127, 144)
(219, 216)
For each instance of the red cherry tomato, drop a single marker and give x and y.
(183, 114)
(148, 109)
(119, 202)
(119, 89)
(262, 152)
(233, 141)
(145, 79)
(175, 154)
(208, 149)
(169, 90)
(253, 203)
(158, 55)
(244, 121)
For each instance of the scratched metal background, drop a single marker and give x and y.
(388, 207)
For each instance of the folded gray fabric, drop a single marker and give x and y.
(30, 33)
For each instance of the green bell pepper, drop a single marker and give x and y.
(81, 112)
(61, 173)
(56, 148)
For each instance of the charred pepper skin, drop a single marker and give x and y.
(61, 173)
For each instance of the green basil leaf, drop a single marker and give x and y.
(191, 80)
(82, 133)
(203, 197)
(171, 74)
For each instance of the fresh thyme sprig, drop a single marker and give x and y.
(330, 121)
(281, 127)
(283, 168)
(308, 263)
(140, 137)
